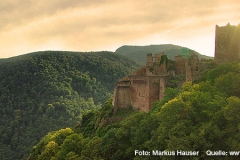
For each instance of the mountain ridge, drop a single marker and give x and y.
(48, 90)
(138, 53)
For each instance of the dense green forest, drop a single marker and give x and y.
(201, 116)
(139, 53)
(46, 91)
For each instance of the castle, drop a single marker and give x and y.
(227, 44)
(147, 84)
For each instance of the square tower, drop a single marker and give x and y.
(227, 43)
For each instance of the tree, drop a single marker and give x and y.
(50, 151)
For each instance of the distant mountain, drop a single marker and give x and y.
(138, 53)
(45, 91)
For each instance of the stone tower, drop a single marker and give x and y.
(227, 43)
(149, 59)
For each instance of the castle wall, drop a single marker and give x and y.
(162, 86)
(193, 62)
(123, 97)
(180, 65)
(153, 90)
(163, 68)
(139, 93)
(145, 90)
(188, 71)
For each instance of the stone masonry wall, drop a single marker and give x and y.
(153, 90)
(139, 92)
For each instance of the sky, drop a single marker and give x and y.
(104, 25)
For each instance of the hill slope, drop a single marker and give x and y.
(46, 91)
(138, 53)
(201, 117)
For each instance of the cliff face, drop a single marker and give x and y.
(227, 44)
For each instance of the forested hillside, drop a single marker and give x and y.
(200, 117)
(139, 53)
(45, 91)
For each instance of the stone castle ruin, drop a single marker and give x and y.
(147, 84)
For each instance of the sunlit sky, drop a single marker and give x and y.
(96, 25)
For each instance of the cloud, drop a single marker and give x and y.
(101, 24)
